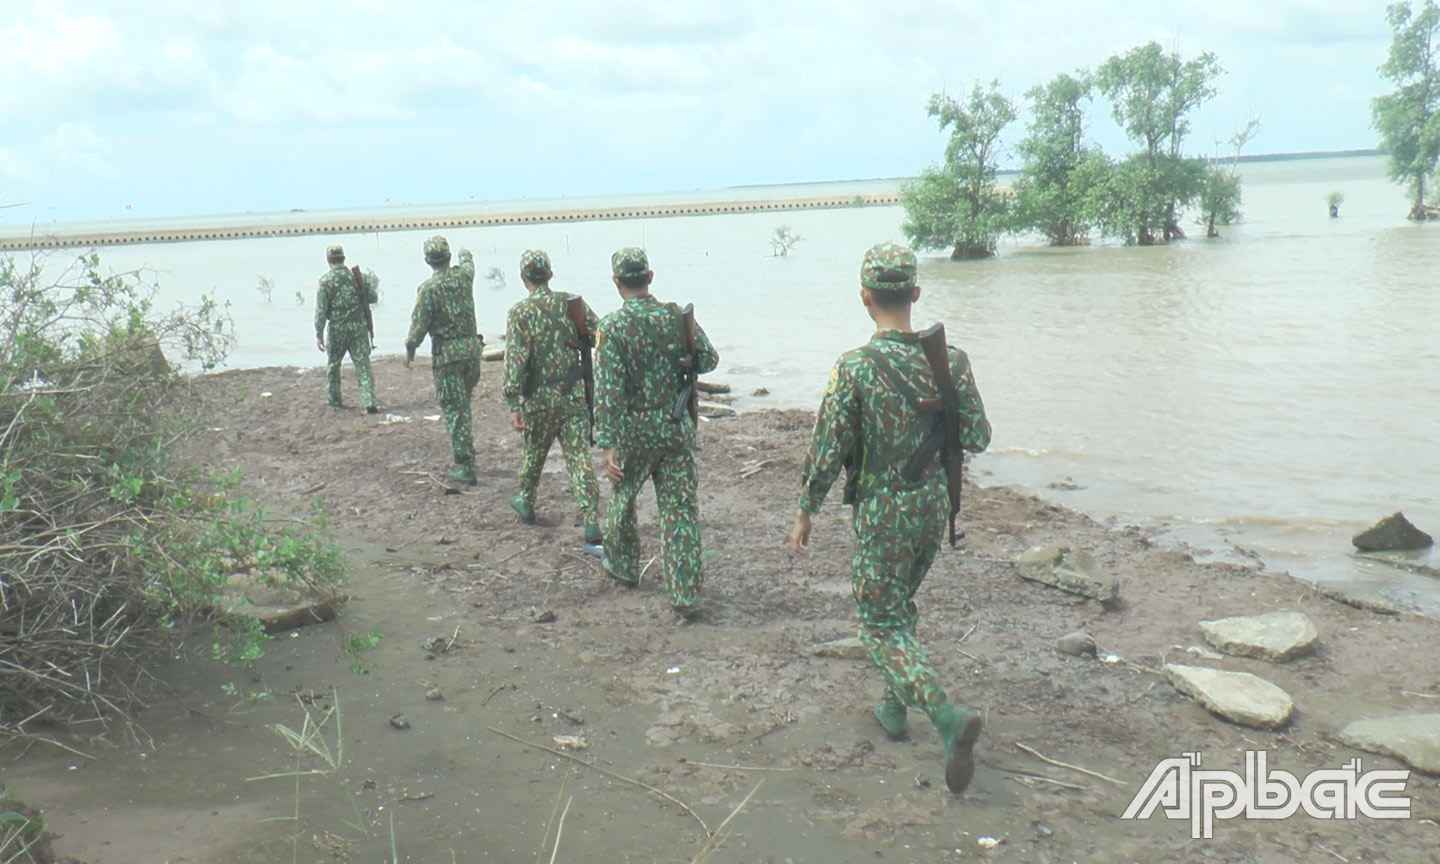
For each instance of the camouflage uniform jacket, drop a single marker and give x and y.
(870, 424)
(539, 356)
(445, 309)
(337, 301)
(637, 373)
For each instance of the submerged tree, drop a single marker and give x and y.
(1152, 93)
(955, 204)
(1220, 192)
(1050, 194)
(782, 240)
(1408, 119)
(1333, 201)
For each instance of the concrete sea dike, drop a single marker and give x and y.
(298, 227)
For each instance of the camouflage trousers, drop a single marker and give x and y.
(897, 535)
(569, 421)
(454, 385)
(355, 341)
(672, 472)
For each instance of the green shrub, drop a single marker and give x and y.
(109, 545)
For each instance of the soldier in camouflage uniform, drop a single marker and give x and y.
(870, 423)
(545, 393)
(445, 311)
(639, 352)
(338, 301)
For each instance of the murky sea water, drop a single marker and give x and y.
(1275, 389)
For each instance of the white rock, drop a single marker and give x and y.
(1235, 696)
(1412, 738)
(1274, 636)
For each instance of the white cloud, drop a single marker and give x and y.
(517, 96)
(77, 147)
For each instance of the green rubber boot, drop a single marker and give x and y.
(958, 729)
(592, 535)
(891, 713)
(526, 511)
(463, 474)
(605, 565)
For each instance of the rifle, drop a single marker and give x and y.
(687, 400)
(575, 306)
(952, 455)
(360, 295)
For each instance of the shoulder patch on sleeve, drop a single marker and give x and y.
(834, 383)
(599, 334)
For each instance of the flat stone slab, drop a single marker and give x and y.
(490, 355)
(1274, 636)
(849, 649)
(1412, 738)
(1073, 570)
(1235, 696)
(712, 387)
(1402, 561)
(1391, 534)
(1360, 596)
(278, 607)
(707, 408)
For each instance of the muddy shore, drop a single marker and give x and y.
(538, 644)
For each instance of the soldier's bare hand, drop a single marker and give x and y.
(612, 466)
(800, 533)
(320, 343)
(517, 422)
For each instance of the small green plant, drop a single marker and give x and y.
(22, 834)
(358, 644)
(315, 756)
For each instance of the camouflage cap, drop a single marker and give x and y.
(437, 250)
(888, 267)
(535, 265)
(630, 261)
(335, 252)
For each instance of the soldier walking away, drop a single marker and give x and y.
(543, 366)
(644, 382)
(445, 311)
(343, 300)
(881, 421)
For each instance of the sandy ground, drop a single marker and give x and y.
(757, 705)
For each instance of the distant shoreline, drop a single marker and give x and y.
(261, 226)
(252, 225)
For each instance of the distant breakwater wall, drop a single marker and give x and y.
(62, 238)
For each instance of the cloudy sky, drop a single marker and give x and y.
(222, 106)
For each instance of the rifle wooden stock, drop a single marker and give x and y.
(932, 341)
(688, 398)
(585, 340)
(364, 305)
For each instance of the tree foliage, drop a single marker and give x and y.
(955, 204)
(1220, 190)
(1152, 93)
(1408, 118)
(1050, 193)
